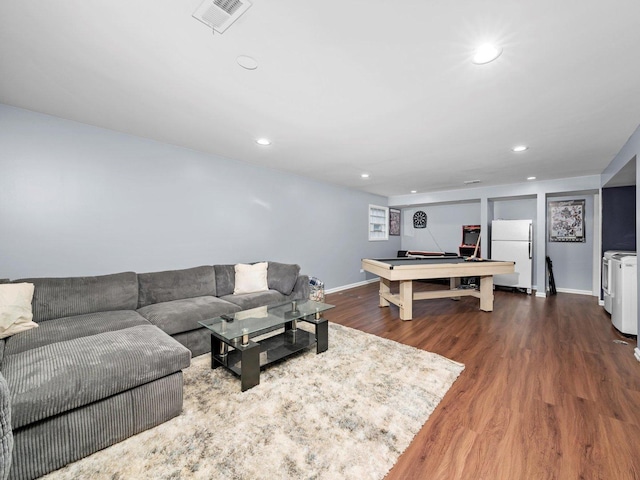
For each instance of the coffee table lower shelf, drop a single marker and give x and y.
(247, 361)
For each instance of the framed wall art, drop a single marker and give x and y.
(566, 221)
(394, 221)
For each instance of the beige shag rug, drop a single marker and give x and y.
(347, 413)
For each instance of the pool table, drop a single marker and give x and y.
(406, 270)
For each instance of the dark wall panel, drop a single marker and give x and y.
(619, 218)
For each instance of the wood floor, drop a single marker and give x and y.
(546, 392)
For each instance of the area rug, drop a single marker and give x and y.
(347, 413)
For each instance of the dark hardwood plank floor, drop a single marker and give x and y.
(545, 394)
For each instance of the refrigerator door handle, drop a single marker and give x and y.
(530, 240)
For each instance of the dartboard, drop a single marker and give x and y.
(419, 219)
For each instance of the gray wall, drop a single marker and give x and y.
(630, 152)
(516, 201)
(80, 200)
(516, 209)
(573, 263)
(444, 226)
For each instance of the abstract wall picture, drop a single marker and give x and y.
(566, 221)
(394, 221)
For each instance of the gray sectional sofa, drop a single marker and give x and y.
(106, 359)
(6, 434)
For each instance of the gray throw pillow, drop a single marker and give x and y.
(282, 277)
(59, 297)
(158, 287)
(225, 279)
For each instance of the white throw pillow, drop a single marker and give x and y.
(15, 308)
(251, 278)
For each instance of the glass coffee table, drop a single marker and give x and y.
(246, 341)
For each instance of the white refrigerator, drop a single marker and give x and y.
(512, 240)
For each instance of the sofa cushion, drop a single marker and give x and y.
(62, 376)
(15, 308)
(157, 287)
(282, 277)
(68, 328)
(65, 297)
(198, 341)
(183, 315)
(253, 300)
(54, 442)
(250, 278)
(225, 279)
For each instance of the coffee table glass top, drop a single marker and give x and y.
(257, 320)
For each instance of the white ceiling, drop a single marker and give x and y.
(343, 87)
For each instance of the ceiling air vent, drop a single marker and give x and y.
(219, 14)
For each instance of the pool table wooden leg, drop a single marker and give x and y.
(385, 289)
(454, 283)
(486, 293)
(406, 300)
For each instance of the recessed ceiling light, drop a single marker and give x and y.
(486, 53)
(365, 175)
(246, 62)
(263, 141)
(414, 191)
(531, 178)
(520, 148)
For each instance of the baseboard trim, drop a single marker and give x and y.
(538, 294)
(577, 292)
(352, 285)
(636, 353)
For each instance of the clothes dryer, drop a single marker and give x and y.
(624, 306)
(607, 276)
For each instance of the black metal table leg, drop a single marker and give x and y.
(322, 336)
(217, 347)
(250, 366)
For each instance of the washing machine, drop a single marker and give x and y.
(607, 279)
(624, 301)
